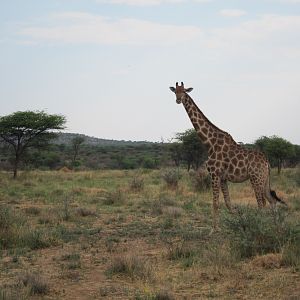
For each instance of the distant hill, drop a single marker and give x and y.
(66, 138)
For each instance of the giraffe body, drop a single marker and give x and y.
(227, 160)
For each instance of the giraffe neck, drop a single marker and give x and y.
(206, 130)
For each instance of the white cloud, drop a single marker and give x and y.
(232, 12)
(272, 32)
(148, 2)
(285, 1)
(74, 27)
(139, 2)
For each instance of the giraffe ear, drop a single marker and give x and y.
(188, 90)
(172, 89)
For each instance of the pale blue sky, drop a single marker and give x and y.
(107, 64)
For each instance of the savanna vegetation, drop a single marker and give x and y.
(79, 152)
(144, 234)
(98, 219)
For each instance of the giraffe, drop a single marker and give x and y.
(227, 160)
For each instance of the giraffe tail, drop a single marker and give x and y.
(273, 194)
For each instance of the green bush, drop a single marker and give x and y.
(291, 251)
(35, 239)
(149, 163)
(253, 231)
(15, 232)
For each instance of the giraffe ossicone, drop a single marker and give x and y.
(227, 160)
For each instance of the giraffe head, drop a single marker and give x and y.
(180, 92)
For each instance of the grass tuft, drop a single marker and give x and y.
(85, 212)
(117, 198)
(137, 183)
(36, 284)
(130, 265)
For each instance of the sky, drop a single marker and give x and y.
(107, 65)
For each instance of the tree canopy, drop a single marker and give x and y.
(276, 148)
(24, 129)
(193, 150)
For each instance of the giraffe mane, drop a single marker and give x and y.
(206, 119)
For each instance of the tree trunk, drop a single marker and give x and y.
(279, 166)
(18, 153)
(16, 164)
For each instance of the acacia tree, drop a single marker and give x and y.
(25, 129)
(175, 150)
(193, 150)
(76, 143)
(277, 149)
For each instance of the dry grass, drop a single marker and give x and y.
(268, 261)
(97, 235)
(36, 284)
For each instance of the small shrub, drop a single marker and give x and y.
(15, 232)
(66, 209)
(168, 223)
(85, 212)
(137, 184)
(217, 254)
(36, 284)
(11, 226)
(36, 239)
(180, 250)
(116, 197)
(201, 180)
(6, 227)
(14, 292)
(112, 243)
(171, 178)
(44, 219)
(71, 256)
(33, 210)
(130, 265)
(160, 295)
(297, 176)
(158, 205)
(73, 260)
(268, 261)
(253, 231)
(172, 211)
(291, 251)
(163, 295)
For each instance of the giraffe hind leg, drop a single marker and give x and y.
(259, 193)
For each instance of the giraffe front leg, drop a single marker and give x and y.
(216, 204)
(224, 188)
